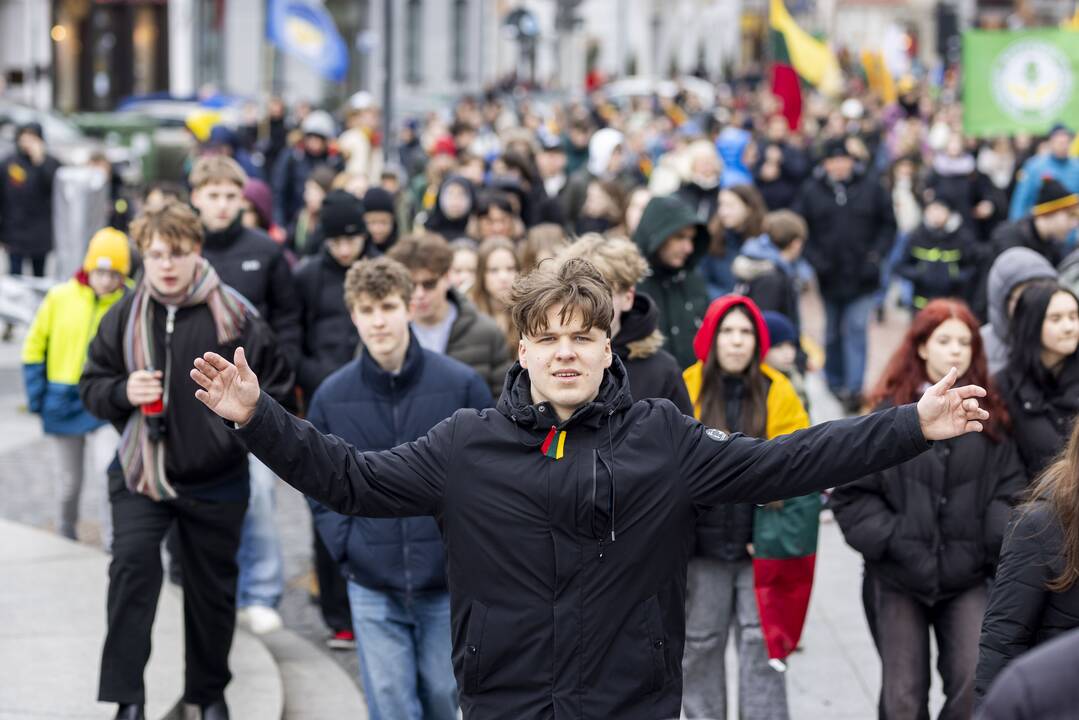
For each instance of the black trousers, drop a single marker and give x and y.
(209, 536)
(332, 589)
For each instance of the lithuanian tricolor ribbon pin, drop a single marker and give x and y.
(555, 443)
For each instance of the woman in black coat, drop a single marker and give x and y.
(1035, 597)
(1041, 381)
(930, 529)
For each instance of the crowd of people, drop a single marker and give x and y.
(376, 294)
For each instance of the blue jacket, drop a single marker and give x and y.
(1025, 195)
(375, 410)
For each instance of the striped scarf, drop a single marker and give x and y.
(143, 459)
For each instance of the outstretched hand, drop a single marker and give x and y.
(230, 390)
(946, 412)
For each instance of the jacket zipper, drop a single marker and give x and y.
(170, 325)
(404, 537)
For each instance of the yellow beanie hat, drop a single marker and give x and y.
(108, 251)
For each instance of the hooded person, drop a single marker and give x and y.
(1013, 270)
(673, 240)
(732, 389)
(455, 205)
(380, 218)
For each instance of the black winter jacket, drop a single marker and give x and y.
(780, 192)
(250, 262)
(568, 577)
(1022, 611)
(329, 337)
(374, 410)
(1038, 686)
(653, 372)
(476, 341)
(26, 205)
(290, 172)
(199, 450)
(932, 527)
(1022, 233)
(851, 230)
(1042, 414)
(941, 262)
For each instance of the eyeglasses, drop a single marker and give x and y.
(160, 257)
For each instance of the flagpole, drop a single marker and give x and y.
(388, 140)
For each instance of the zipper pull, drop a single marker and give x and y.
(170, 319)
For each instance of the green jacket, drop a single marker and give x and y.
(680, 294)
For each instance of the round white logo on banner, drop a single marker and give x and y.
(1032, 80)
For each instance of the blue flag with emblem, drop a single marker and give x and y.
(304, 29)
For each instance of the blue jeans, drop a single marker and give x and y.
(262, 569)
(403, 642)
(847, 341)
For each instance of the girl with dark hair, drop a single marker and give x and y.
(930, 529)
(739, 217)
(1041, 380)
(1035, 597)
(732, 390)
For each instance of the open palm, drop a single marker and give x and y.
(946, 412)
(230, 389)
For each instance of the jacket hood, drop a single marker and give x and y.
(516, 400)
(600, 148)
(1013, 266)
(451, 228)
(637, 323)
(706, 334)
(762, 255)
(663, 217)
(259, 194)
(730, 144)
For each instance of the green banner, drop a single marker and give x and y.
(1022, 80)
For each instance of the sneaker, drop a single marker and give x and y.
(342, 640)
(259, 619)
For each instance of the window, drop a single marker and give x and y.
(414, 42)
(459, 41)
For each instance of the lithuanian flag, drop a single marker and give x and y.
(810, 58)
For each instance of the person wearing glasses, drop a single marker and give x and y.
(176, 463)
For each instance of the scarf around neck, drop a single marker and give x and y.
(143, 459)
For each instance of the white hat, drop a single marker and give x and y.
(319, 122)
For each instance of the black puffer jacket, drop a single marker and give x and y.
(568, 577)
(251, 263)
(653, 372)
(932, 527)
(851, 230)
(329, 337)
(1042, 413)
(1022, 233)
(1038, 686)
(476, 341)
(1022, 611)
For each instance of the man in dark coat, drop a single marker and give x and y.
(294, 165)
(443, 319)
(394, 392)
(329, 342)
(26, 201)
(568, 513)
(851, 230)
(673, 240)
(254, 265)
(781, 168)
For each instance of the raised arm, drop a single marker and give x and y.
(719, 468)
(404, 481)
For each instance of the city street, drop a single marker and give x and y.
(834, 675)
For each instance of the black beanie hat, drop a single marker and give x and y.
(378, 200)
(341, 214)
(1053, 196)
(836, 147)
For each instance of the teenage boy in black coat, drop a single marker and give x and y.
(568, 512)
(176, 466)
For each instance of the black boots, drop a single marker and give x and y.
(130, 711)
(215, 711)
